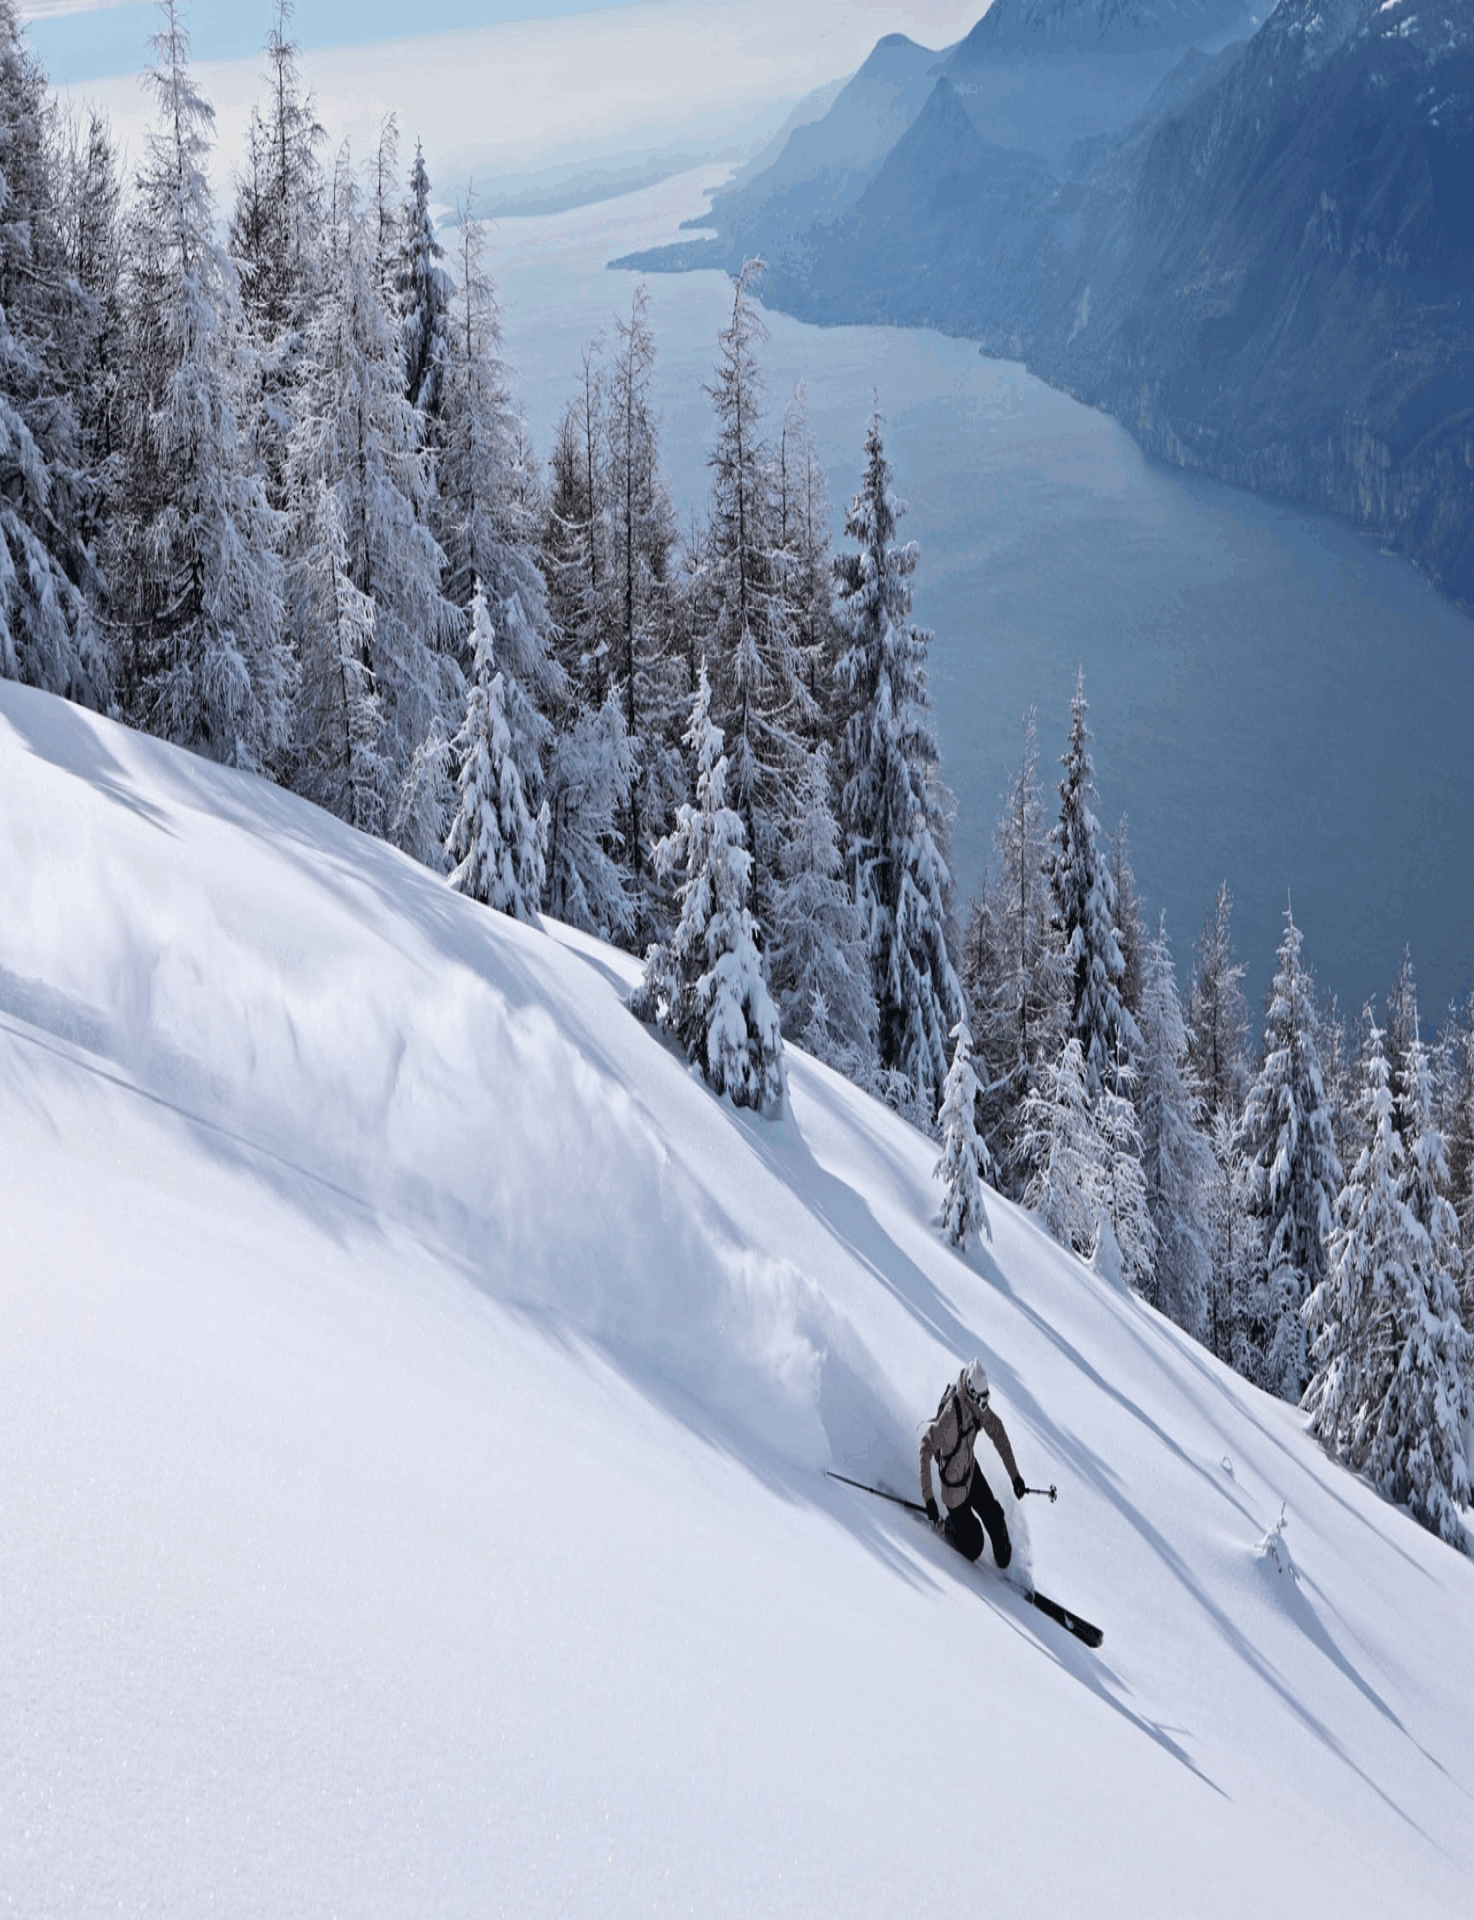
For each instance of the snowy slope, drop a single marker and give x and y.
(414, 1395)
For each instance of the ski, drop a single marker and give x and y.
(1083, 1629)
(1071, 1622)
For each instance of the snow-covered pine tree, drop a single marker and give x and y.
(592, 760)
(1391, 1392)
(893, 807)
(589, 779)
(1402, 1023)
(983, 974)
(424, 290)
(575, 538)
(195, 570)
(384, 214)
(338, 677)
(964, 1157)
(1217, 1017)
(803, 538)
(1430, 1404)
(498, 845)
(1061, 1145)
(1217, 1039)
(1458, 1105)
(706, 986)
(1350, 1312)
(277, 243)
(48, 634)
(759, 697)
(1130, 927)
(1127, 1253)
(1176, 1158)
(90, 220)
(641, 530)
(357, 433)
(1013, 969)
(819, 960)
(1290, 1176)
(1085, 913)
(1338, 1069)
(276, 229)
(485, 511)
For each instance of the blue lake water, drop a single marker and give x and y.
(1275, 702)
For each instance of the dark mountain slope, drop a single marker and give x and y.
(1029, 27)
(1038, 76)
(824, 166)
(1266, 270)
(1288, 301)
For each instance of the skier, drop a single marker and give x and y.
(962, 1414)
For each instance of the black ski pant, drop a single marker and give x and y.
(964, 1525)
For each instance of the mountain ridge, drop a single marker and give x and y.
(1257, 256)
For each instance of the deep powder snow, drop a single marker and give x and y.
(415, 1391)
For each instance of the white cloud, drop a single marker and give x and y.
(49, 9)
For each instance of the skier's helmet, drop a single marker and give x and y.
(975, 1380)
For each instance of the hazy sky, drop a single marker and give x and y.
(93, 39)
(500, 89)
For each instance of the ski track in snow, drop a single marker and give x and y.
(414, 1399)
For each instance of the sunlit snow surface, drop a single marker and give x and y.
(414, 1395)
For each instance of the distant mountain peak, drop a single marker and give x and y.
(889, 52)
(1040, 26)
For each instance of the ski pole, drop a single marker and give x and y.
(881, 1493)
(1051, 1494)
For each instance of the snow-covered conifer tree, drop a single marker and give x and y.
(424, 300)
(641, 537)
(803, 539)
(1217, 1031)
(706, 986)
(48, 634)
(357, 433)
(1217, 1018)
(1085, 913)
(1130, 927)
(195, 568)
(1391, 1390)
(1402, 1024)
(1062, 1146)
(1290, 1176)
(893, 808)
(964, 1157)
(819, 961)
(759, 697)
(384, 214)
(497, 843)
(1458, 1105)
(576, 531)
(1176, 1158)
(1431, 1403)
(1349, 1311)
(593, 764)
(485, 514)
(1012, 967)
(1128, 1252)
(276, 230)
(277, 242)
(86, 348)
(338, 678)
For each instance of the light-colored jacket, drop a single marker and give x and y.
(951, 1440)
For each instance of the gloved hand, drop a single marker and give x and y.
(1019, 1489)
(931, 1512)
